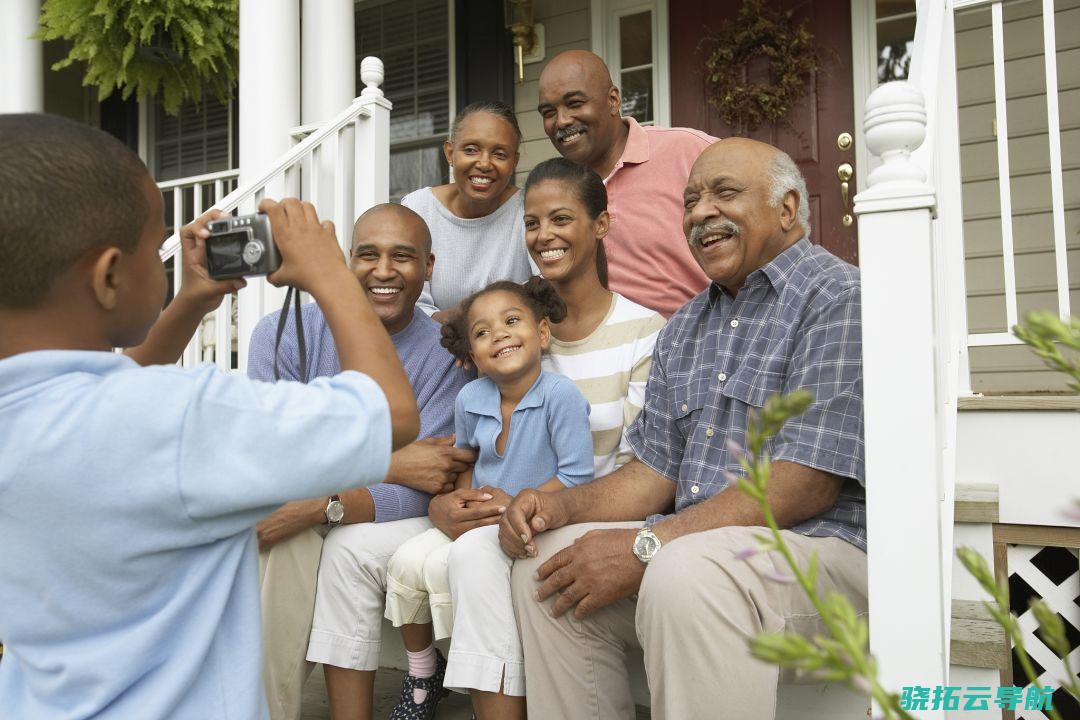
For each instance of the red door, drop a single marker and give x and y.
(826, 110)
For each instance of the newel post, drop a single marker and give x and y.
(908, 626)
(372, 139)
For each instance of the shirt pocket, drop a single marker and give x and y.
(752, 385)
(688, 400)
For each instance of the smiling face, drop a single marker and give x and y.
(484, 154)
(728, 218)
(559, 233)
(390, 258)
(580, 108)
(505, 338)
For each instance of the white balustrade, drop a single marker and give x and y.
(187, 197)
(908, 629)
(1060, 281)
(359, 179)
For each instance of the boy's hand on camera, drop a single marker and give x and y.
(430, 465)
(309, 248)
(195, 282)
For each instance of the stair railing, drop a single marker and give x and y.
(343, 167)
(908, 334)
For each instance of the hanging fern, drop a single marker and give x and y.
(175, 47)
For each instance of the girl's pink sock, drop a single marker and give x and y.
(421, 665)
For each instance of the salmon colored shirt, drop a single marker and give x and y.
(649, 260)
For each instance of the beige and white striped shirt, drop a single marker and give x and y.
(610, 367)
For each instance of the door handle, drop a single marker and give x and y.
(844, 173)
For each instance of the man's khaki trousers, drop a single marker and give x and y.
(697, 607)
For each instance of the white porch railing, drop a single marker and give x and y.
(342, 167)
(1060, 282)
(915, 323)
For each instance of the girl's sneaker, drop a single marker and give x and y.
(407, 709)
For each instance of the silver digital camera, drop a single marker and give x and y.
(241, 246)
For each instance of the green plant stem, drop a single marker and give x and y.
(857, 655)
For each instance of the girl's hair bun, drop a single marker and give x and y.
(455, 336)
(545, 300)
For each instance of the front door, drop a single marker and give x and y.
(825, 111)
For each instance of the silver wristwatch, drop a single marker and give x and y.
(335, 510)
(646, 545)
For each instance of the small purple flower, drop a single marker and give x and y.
(747, 552)
(1072, 512)
(731, 477)
(778, 577)
(735, 448)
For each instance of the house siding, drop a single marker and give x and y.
(566, 27)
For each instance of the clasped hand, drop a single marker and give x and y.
(596, 571)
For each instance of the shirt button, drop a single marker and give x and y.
(734, 323)
(721, 377)
(685, 407)
(695, 489)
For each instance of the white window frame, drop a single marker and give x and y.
(604, 17)
(148, 135)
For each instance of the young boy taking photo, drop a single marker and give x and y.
(128, 490)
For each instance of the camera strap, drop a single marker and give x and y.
(291, 295)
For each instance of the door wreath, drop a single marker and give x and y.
(759, 32)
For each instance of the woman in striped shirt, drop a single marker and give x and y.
(605, 343)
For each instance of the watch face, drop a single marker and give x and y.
(645, 546)
(335, 511)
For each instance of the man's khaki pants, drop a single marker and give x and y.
(352, 585)
(288, 572)
(697, 607)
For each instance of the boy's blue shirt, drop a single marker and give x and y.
(549, 434)
(128, 575)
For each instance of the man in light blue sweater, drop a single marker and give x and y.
(391, 258)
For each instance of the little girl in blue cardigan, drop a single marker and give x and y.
(531, 430)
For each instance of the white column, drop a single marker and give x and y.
(21, 73)
(328, 86)
(328, 59)
(908, 628)
(269, 109)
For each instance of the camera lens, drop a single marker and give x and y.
(253, 250)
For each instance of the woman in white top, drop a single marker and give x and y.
(475, 220)
(605, 346)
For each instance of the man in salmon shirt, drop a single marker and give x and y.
(644, 169)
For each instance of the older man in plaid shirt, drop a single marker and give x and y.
(780, 314)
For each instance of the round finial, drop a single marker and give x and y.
(895, 125)
(371, 74)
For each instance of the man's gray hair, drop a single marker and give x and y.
(784, 177)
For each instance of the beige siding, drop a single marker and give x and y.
(1015, 369)
(566, 27)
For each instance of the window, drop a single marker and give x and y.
(636, 71)
(412, 39)
(895, 26)
(198, 140)
(633, 43)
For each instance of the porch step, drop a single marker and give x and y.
(1019, 402)
(976, 503)
(977, 641)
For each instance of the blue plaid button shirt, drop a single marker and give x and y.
(796, 323)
